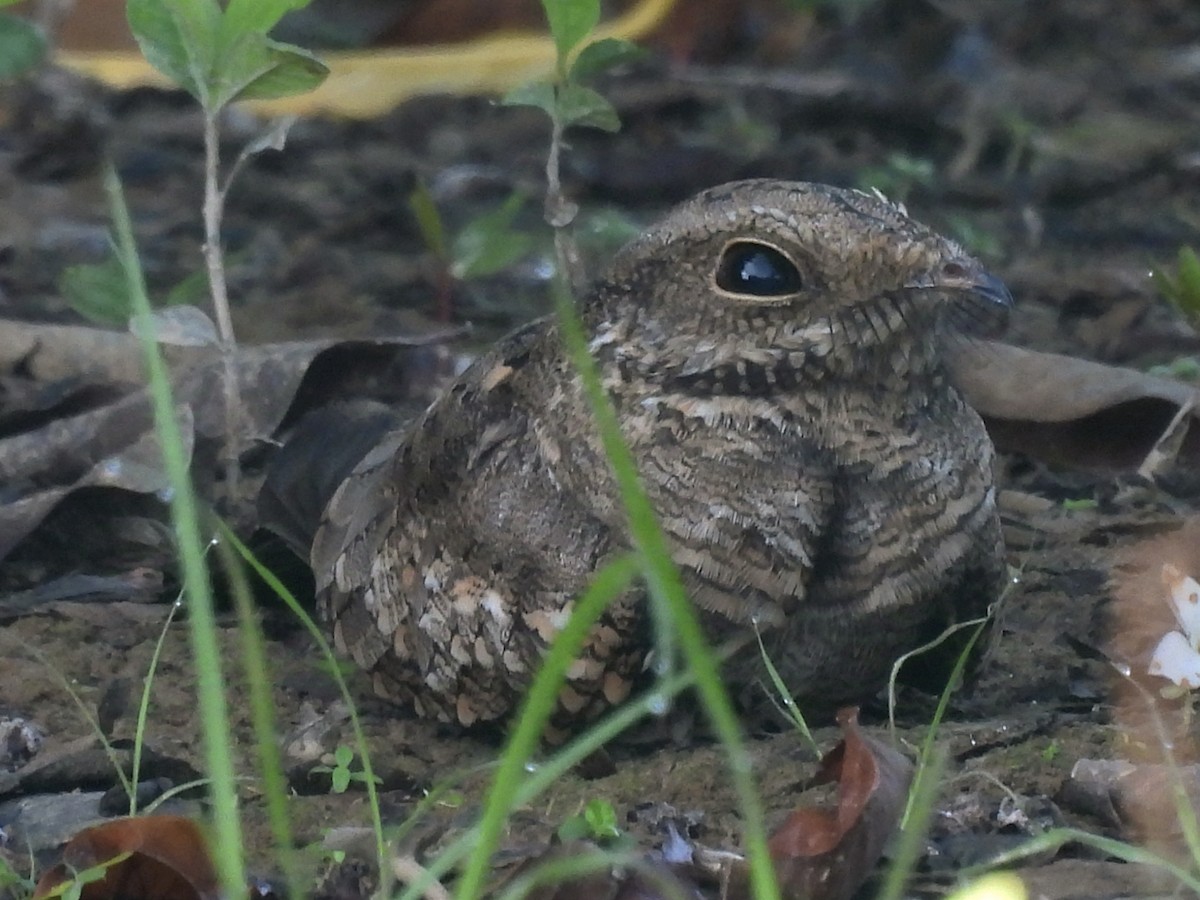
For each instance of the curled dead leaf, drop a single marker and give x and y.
(1076, 412)
(109, 441)
(823, 854)
(152, 857)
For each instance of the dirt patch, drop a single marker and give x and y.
(1057, 140)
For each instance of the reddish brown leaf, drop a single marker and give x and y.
(825, 854)
(168, 860)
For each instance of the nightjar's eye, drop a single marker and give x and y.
(759, 270)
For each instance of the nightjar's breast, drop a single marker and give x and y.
(844, 530)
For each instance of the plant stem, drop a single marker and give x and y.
(560, 212)
(214, 260)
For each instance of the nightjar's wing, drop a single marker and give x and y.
(452, 555)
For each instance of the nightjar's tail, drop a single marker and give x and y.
(322, 451)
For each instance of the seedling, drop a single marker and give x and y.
(1183, 287)
(487, 244)
(73, 889)
(597, 822)
(1185, 368)
(340, 773)
(569, 102)
(219, 56)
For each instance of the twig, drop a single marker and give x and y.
(214, 205)
(560, 212)
(407, 870)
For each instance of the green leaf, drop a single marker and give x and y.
(570, 22)
(539, 94)
(602, 231)
(579, 105)
(255, 67)
(22, 46)
(1189, 279)
(339, 780)
(575, 828)
(600, 56)
(179, 39)
(601, 818)
(243, 16)
(488, 244)
(429, 220)
(193, 290)
(343, 755)
(99, 292)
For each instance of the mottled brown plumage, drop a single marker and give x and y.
(772, 350)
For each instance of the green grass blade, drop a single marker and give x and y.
(262, 713)
(139, 733)
(673, 612)
(910, 842)
(318, 636)
(787, 703)
(608, 583)
(214, 718)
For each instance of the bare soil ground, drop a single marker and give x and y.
(1060, 140)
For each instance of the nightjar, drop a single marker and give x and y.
(773, 353)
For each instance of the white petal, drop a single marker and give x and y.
(1176, 660)
(1185, 601)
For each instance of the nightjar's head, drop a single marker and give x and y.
(769, 276)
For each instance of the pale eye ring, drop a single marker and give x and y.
(758, 270)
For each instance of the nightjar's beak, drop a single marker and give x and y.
(988, 287)
(978, 301)
(966, 277)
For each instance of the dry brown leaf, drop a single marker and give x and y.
(1073, 411)
(114, 444)
(46, 353)
(827, 854)
(163, 857)
(70, 592)
(134, 467)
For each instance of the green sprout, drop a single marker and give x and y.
(341, 774)
(1182, 288)
(597, 822)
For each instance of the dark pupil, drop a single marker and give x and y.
(758, 270)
